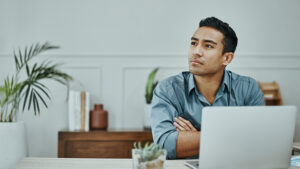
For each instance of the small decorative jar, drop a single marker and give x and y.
(98, 117)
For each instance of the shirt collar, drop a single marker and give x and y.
(225, 82)
(191, 84)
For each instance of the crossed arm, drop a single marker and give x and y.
(188, 139)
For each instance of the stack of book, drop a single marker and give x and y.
(295, 161)
(79, 108)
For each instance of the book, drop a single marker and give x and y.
(295, 161)
(78, 110)
(82, 110)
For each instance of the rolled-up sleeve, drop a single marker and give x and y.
(162, 115)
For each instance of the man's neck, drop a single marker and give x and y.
(208, 85)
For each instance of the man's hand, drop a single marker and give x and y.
(183, 125)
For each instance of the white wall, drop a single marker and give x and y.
(111, 46)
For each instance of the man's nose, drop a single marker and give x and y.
(198, 50)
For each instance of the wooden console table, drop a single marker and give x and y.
(100, 143)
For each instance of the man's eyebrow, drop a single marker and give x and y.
(210, 41)
(193, 38)
(205, 40)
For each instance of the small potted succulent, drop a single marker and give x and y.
(151, 156)
(151, 84)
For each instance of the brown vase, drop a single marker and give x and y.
(98, 117)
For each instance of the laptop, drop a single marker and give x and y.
(246, 137)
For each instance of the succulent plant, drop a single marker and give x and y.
(149, 152)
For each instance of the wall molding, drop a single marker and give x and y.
(263, 66)
(266, 67)
(132, 67)
(101, 55)
(89, 66)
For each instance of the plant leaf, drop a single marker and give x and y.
(26, 96)
(37, 104)
(34, 104)
(41, 98)
(30, 100)
(30, 51)
(25, 53)
(31, 89)
(16, 62)
(27, 70)
(35, 84)
(149, 86)
(20, 56)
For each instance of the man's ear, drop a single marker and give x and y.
(227, 58)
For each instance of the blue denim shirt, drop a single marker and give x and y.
(179, 96)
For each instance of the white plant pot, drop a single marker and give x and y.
(147, 113)
(13, 144)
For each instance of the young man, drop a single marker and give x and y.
(178, 100)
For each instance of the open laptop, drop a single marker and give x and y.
(246, 137)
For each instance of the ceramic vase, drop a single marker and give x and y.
(98, 117)
(147, 116)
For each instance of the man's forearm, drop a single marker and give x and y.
(188, 143)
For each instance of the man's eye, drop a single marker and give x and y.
(209, 46)
(193, 43)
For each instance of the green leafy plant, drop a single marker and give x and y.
(30, 91)
(149, 152)
(151, 84)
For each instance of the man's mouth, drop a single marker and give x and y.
(196, 61)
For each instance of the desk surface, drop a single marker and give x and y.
(88, 163)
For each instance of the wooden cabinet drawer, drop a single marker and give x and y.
(98, 149)
(100, 144)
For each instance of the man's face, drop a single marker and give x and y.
(205, 53)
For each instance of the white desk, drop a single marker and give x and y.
(88, 163)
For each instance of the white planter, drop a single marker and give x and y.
(147, 113)
(13, 144)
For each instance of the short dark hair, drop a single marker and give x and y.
(230, 39)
